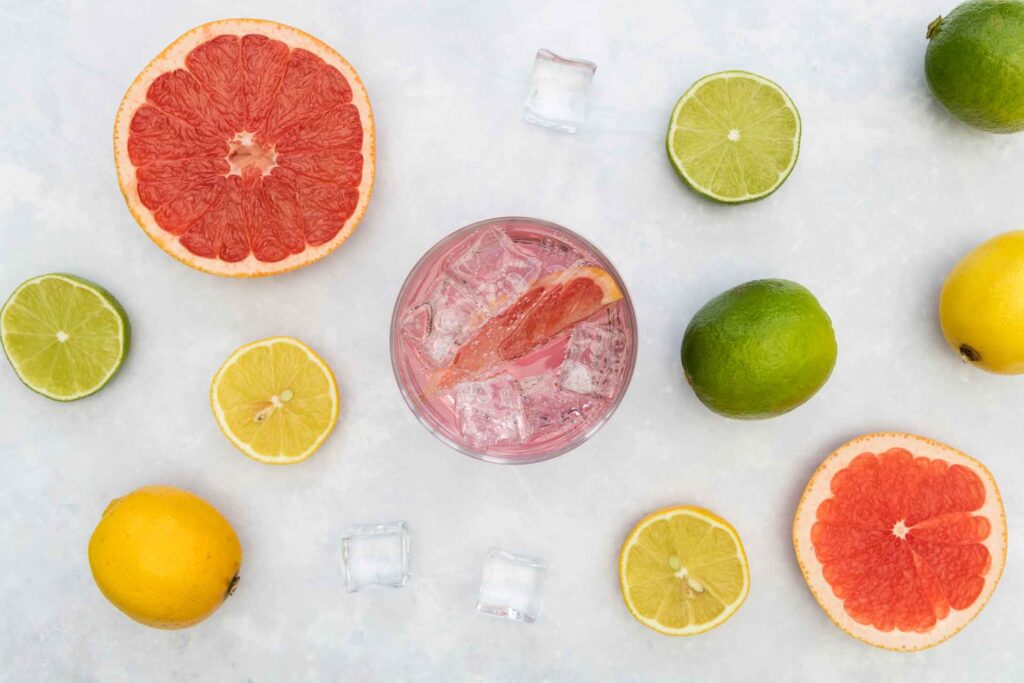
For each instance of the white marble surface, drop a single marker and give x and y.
(887, 194)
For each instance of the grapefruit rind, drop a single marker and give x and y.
(818, 489)
(709, 518)
(173, 57)
(246, 448)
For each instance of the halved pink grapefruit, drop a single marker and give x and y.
(552, 305)
(901, 539)
(246, 148)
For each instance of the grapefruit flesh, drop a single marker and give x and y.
(246, 148)
(552, 305)
(901, 539)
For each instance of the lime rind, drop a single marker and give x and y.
(107, 302)
(680, 165)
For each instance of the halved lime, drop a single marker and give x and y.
(64, 336)
(734, 136)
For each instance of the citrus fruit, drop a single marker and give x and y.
(276, 400)
(981, 307)
(246, 148)
(974, 64)
(165, 557)
(734, 137)
(552, 305)
(901, 539)
(64, 336)
(683, 571)
(759, 349)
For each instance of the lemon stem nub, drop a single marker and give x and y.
(968, 354)
(231, 586)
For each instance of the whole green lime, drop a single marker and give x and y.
(759, 349)
(975, 64)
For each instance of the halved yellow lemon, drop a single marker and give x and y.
(276, 400)
(683, 571)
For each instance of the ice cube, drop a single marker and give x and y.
(494, 269)
(559, 91)
(510, 586)
(375, 554)
(551, 410)
(490, 412)
(594, 360)
(444, 321)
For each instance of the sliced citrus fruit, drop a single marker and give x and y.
(246, 148)
(734, 136)
(901, 539)
(683, 571)
(552, 305)
(276, 400)
(64, 336)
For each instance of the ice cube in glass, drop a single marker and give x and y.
(490, 411)
(510, 586)
(442, 322)
(594, 360)
(375, 554)
(559, 91)
(494, 269)
(549, 409)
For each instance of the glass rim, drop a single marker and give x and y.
(417, 406)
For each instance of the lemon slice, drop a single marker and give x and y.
(683, 571)
(276, 400)
(65, 337)
(734, 136)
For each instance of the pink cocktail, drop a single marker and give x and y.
(513, 340)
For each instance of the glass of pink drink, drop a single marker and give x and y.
(513, 340)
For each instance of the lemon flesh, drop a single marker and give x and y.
(683, 571)
(165, 557)
(64, 336)
(276, 400)
(981, 308)
(734, 136)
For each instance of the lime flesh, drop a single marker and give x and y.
(734, 137)
(975, 65)
(64, 336)
(759, 349)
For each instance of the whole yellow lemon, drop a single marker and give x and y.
(165, 557)
(981, 308)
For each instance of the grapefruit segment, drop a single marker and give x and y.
(552, 305)
(246, 148)
(901, 539)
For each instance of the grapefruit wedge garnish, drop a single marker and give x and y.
(552, 305)
(246, 148)
(901, 539)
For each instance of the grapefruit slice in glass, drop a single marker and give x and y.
(246, 148)
(901, 539)
(552, 305)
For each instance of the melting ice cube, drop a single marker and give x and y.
(494, 269)
(446, 319)
(510, 586)
(490, 411)
(551, 410)
(558, 93)
(593, 360)
(375, 554)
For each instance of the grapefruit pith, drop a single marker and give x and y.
(552, 305)
(901, 539)
(246, 148)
